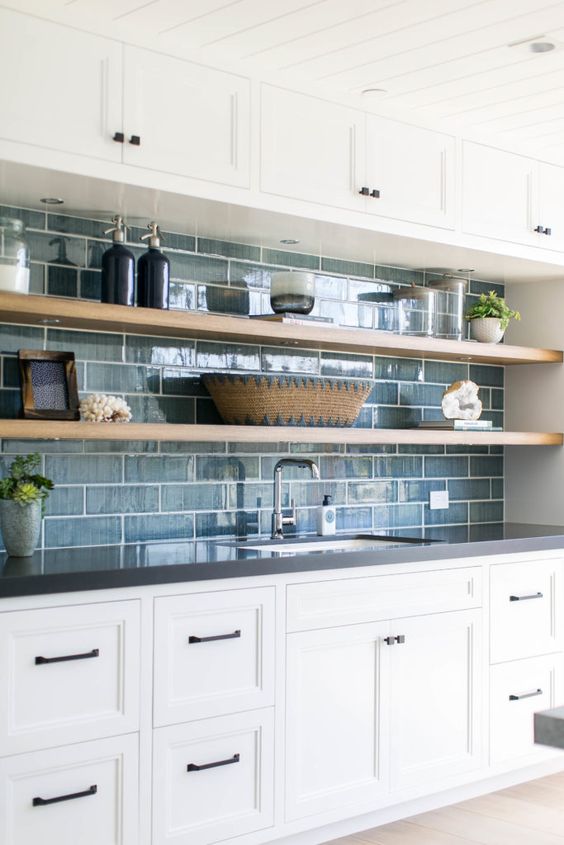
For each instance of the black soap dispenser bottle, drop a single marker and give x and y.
(118, 268)
(153, 272)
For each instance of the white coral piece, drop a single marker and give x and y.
(460, 401)
(101, 408)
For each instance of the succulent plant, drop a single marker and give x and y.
(24, 484)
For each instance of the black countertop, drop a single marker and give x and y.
(103, 567)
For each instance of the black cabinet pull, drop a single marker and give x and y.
(531, 694)
(119, 137)
(539, 229)
(400, 639)
(365, 192)
(234, 636)
(548, 231)
(94, 653)
(194, 767)
(42, 802)
(135, 140)
(526, 597)
(375, 193)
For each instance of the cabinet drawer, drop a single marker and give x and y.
(213, 779)
(354, 600)
(70, 674)
(84, 793)
(525, 606)
(214, 654)
(517, 691)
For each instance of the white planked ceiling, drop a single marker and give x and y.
(463, 64)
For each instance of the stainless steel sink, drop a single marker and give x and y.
(334, 544)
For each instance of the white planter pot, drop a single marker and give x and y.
(486, 329)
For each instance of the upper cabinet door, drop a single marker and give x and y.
(410, 173)
(311, 149)
(435, 705)
(551, 213)
(61, 88)
(186, 119)
(499, 195)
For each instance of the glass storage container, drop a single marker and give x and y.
(292, 292)
(378, 310)
(14, 256)
(416, 310)
(450, 295)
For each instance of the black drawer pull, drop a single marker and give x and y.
(42, 802)
(234, 636)
(94, 653)
(527, 597)
(375, 193)
(135, 140)
(400, 639)
(119, 137)
(194, 767)
(531, 694)
(548, 231)
(365, 192)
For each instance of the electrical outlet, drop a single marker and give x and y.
(438, 500)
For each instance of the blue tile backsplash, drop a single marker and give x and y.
(139, 492)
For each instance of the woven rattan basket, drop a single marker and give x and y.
(286, 400)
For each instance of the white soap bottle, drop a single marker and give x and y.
(326, 517)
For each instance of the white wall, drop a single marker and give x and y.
(534, 401)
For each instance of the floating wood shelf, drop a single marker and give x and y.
(78, 314)
(40, 430)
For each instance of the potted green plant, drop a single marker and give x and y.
(489, 318)
(22, 502)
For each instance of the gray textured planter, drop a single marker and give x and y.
(20, 526)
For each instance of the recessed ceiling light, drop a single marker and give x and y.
(374, 92)
(51, 200)
(542, 46)
(289, 241)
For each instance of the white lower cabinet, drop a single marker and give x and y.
(214, 779)
(381, 706)
(517, 691)
(84, 794)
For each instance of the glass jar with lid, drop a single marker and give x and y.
(377, 309)
(14, 256)
(450, 295)
(416, 310)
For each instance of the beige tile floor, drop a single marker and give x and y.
(529, 814)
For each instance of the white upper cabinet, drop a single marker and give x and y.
(311, 149)
(551, 206)
(186, 119)
(62, 88)
(499, 195)
(410, 173)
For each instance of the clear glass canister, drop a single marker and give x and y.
(416, 310)
(14, 256)
(378, 310)
(450, 295)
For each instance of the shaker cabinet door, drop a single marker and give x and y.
(62, 89)
(499, 195)
(334, 722)
(311, 149)
(412, 170)
(186, 119)
(435, 704)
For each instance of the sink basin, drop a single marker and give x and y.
(334, 544)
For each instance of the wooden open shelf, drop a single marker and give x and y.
(78, 314)
(42, 430)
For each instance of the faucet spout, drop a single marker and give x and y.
(278, 518)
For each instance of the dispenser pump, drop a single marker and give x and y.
(153, 235)
(117, 230)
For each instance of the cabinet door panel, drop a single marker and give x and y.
(310, 149)
(190, 120)
(62, 87)
(499, 195)
(551, 214)
(335, 726)
(414, 170)
(435, 698)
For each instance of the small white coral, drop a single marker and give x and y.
(460, 401)
(101, 408)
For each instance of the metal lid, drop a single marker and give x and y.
(117, 230)
(455, 284)
(415, 292)
(153, 235)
